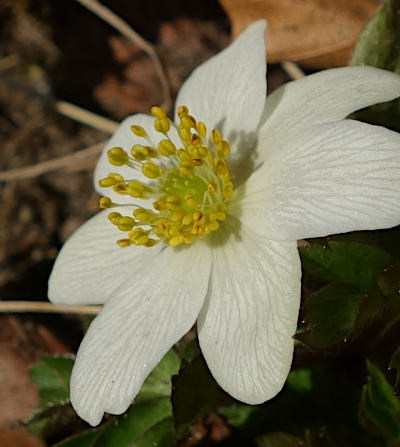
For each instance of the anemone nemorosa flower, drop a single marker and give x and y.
(207, 211)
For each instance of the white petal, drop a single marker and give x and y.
(152, 309)
(250, 315)
(91, 266)
(125, 138)
(334, 178)
(228, 91)
(323, 97)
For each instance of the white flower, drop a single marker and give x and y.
(299, 170)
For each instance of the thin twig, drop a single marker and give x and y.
(45, 307)
(120, 25)
(51, 165)
(84, 116)
(8, 62)
(293, 70)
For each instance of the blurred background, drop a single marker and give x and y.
(59, 57)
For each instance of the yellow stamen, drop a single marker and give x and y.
(189, 187)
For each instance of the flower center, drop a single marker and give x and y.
(190, 184)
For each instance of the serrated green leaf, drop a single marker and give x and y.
(195, 394)
(280, 440)
(380, 409)
(331, 314)
(379, 46)
(345, 262)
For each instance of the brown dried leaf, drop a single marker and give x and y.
(317, 33)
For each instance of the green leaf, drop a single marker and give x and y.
(379, 42)
(389, 283)
(85, 439)
(195, 394)
(379, 46)
(345, 262)
(126, 429)
(380, 409)
(51, 376)
(280, 440)
(159, 381)
(148, 422)
(331, 315)
(321, 400)
(161, 434)
(395, 364)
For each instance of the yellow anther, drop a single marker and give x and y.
(106, 202)
(197, 161)
(162, 125)
(151, 243)
(176, 240)
(184, 169)
(173, 199)
(202, 129)
(221, 168)
(120, 188)
(222, 207)
(187, 122)
(223, 149)
(221, 215)
(173, 229)
(160, 205)
(203, 151)
(138, 236)
(182, 111)
(152, 152)
(117, 156)
(124, 243)
(124, 223)
(191, 203)
(158, 112)
(143, 215)
(161, 230)
(197, 216)
(227, 190)
(216, 136)
(112, 217)
(212, 187)
(212, 226)
(139, 152)
(187, 219)
(182, 154)
(189, 238)
(107, 182)
(193, 151)
(137, 189)
(198, 229)
(184, 134)
(138, 131)
(166, 148)
(151, 170)
(116, 177)
(195, 140)
(177, 217)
